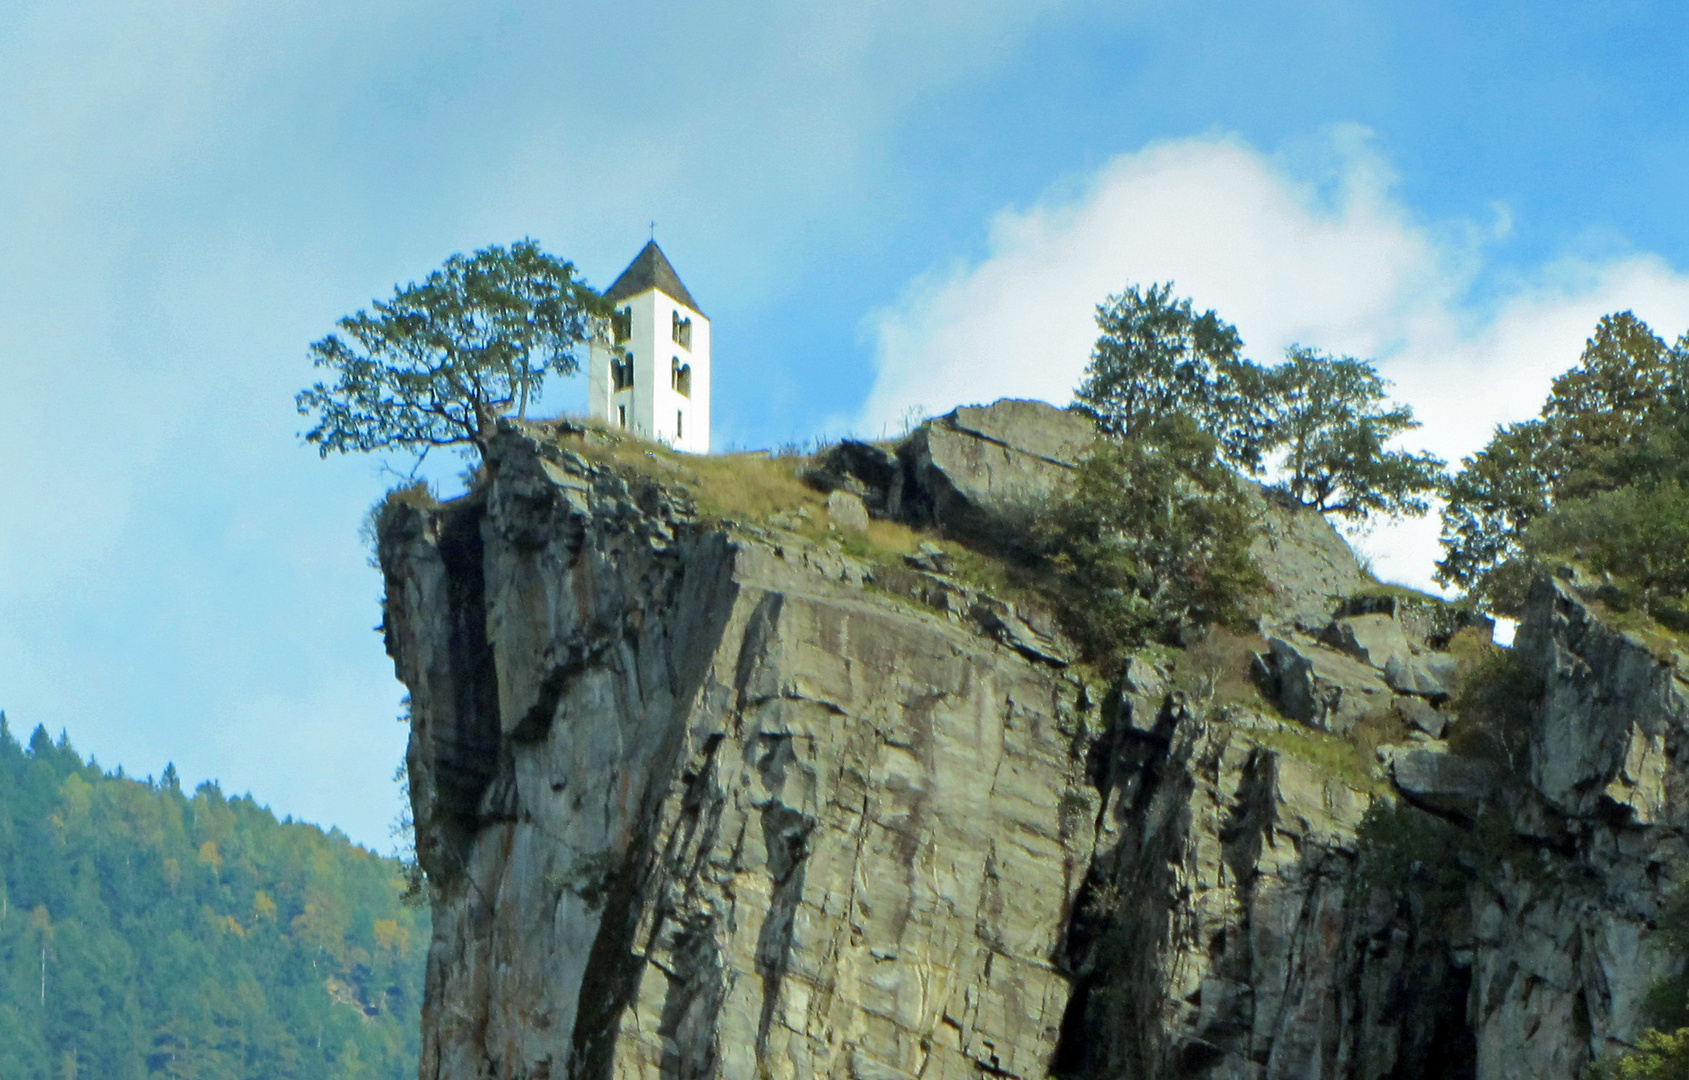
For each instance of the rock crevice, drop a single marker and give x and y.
(699, 799)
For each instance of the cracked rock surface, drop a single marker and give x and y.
(697, 804)
(706, 800)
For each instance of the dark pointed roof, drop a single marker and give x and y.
(650, 269)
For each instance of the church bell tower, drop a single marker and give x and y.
(656, 384)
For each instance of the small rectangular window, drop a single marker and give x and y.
(622, 415)
(679, 421)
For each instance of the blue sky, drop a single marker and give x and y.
(880, 205)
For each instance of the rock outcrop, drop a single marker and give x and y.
(703, 798)
(695, 803)
(1264, 915)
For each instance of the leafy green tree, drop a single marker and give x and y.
(1329, 418)
(440, 362)
(1158, 357)
(1152, 536)
(1326, 417)
(1617, 420)
(1659, 1055)
(1490, 502)
(1607, 404)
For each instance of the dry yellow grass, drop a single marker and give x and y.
(1218, 669)
(752, 489)
(737, 487)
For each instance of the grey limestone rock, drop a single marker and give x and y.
(696, 804)
(1323, 688)
(866, 470)
(1420, 714)
(846, 510)
(1029, 427)
(1372, 639)
(1142, 688)
(1026, 631)
(979, 473)
(1563, 958)
(1426, 674)
(712, 801)
(1308, 567)
(1610, 706)
(931, 558)
(1433, 777)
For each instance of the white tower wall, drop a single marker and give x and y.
(655, 407)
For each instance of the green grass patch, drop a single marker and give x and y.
(745, 488)
(1398, 592)
(1353, 761)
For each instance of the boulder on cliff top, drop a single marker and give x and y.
(1309, 567)
(1029, 427)
(1323, 688)
(846, 510)
(1439, 780)
(871, 473)
(981, 472)
(1430, 675)
(1421, 714)
(1371, 639)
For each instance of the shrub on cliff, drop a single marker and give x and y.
(1659, 1055)
(1599, 477)
(1152, 536)
(440, 362)
(1638, 532)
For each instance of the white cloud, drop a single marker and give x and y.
(1338, 264)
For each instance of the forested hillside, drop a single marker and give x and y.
(147, 932)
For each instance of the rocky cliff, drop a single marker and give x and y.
(809, 792)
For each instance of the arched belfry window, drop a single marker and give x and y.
(680, 378)
(621, 372)
(621, 323)
(682, 329)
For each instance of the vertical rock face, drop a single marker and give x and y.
(695, 803)
(1563, 961)
(704, 800)
(1243, 917)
